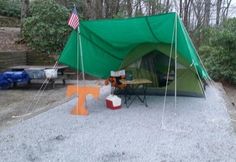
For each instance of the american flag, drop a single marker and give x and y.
(74, 19)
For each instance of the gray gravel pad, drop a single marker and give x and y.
(197, 130)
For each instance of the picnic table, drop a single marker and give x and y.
(38, 69)
(130, 90)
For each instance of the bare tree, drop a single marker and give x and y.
(180, 8)
(24, 9)
(99, 9)
(138, 8)
(111, 8)
(88, 9)
(129, 8)
(218, 9)
(167, 6)
(195, 13)
(225, 9)
(207, 9)
(186, 9)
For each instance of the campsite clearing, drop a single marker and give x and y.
(200, 132)
(18, 102)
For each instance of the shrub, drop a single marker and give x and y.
(11, 8)
(219, 55)
(46, 29)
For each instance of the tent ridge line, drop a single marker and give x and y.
(108, 53)
(148, 24)
(128, 18)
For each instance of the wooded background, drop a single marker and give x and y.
(196, 14)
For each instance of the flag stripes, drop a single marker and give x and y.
(74, 19)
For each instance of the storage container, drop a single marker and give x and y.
(50, 73)
(5, 83)
(18, 78)
(35, 73)
(113, 102)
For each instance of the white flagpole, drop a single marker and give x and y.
(77, 63)
(175, 61)
(81, 54)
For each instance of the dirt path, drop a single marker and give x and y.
(231, 92)
(15, 103)
(8, 38)
(230, 98)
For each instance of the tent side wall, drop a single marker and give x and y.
(187, 85)
(187, 81)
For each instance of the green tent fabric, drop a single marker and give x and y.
(106, 43)
(112, 44)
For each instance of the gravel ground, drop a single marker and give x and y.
(198, 130)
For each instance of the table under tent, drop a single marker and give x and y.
(156, 47)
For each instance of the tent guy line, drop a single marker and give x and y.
(167, 80)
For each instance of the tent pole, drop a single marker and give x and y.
(175, 60)
(77, 62)
(81, 54)
(167, 80)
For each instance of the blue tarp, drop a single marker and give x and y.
(11, 78)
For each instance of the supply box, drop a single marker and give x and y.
(113, 102)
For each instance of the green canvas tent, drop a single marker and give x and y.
(149, 46)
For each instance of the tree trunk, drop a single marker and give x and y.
(186, 8)
(138, 8)
(207, 12)
(107, 8)
(112, 8)
(181, 8)
(24, 9)
(117, 7)
(89, 12)
(129, 7)
(99, 9)
(226, 10)
(153, 7)
(167, 6)
(218, 9)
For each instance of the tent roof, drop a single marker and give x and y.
(107, 42)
